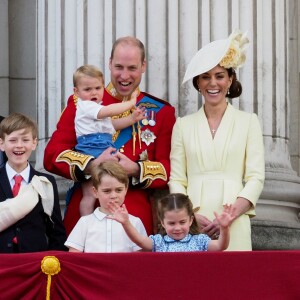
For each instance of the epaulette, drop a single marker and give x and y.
(157, 99)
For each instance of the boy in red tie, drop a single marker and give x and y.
(30, 218)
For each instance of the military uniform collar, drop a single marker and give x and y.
(112, 91)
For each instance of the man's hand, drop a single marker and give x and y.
(132, 168)
(109, 154)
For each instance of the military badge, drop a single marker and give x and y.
(148, 137)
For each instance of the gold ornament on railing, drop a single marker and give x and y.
(50, 265)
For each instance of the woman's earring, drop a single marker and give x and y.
(199, 91)
(228, 92)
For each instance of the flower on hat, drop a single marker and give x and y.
(235, 55)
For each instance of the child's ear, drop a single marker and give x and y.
(35, 142)
(75, 90)
(95, 192)
(191, 220)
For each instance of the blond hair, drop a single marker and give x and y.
(87, 70)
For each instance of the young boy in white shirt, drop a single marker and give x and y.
(96, 232)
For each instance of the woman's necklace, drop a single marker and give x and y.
(214, 122)
(214, 125)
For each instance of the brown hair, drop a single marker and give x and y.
(235, 89)
(173, 202)
(132, 41)
(17, 121)
(87, 70)
(109, 168)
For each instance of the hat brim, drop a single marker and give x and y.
(206, 59)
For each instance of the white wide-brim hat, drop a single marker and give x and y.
(229, 53)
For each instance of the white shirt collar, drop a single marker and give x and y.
(11, 173)
(99, 214)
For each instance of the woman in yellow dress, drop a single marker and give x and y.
(217, 155)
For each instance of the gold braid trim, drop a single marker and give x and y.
(75, 98)
(122, 115)
(151, 170)
(73, 172)
(73, 158)
(112, 91)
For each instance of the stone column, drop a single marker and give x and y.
(4, 58)
(277, 223)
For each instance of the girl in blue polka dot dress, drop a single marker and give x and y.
(179, 230)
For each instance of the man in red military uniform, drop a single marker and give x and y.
(144, 148)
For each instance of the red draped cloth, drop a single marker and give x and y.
(203, 275)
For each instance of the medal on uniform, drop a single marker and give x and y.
(148, 137)
(152, 120)
(145, 121)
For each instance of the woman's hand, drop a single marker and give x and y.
(211, 228)
(241, 206)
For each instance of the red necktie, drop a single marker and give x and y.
(18, 179)
(15, 190)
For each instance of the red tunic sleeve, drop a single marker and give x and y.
(59, 157)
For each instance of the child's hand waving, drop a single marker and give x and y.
(226, 217)
(118, 213)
